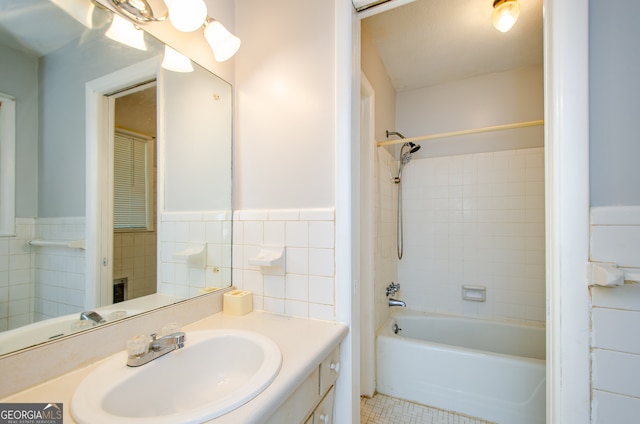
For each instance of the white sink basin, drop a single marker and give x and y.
(215, 372)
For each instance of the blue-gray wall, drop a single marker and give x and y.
(614, 74)
(19, 78)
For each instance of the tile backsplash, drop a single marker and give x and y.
(307, 286)
(615, 314)
(183, 230)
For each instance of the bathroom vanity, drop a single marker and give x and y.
(302, 392)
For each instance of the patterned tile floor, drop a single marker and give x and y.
(383, 409)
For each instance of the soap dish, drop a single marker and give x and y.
(237, 302)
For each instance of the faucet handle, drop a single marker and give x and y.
(169, 328)
(138, 345)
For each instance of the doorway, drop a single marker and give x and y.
(99, 190)
(134, 181)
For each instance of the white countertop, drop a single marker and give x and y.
(304, 344)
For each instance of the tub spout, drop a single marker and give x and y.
(394, 302)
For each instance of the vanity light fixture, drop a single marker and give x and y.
(222, 42)
(124, 32)
(505, 14)
(187, 15)
(176, 61)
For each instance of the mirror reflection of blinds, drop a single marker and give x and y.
(130, 183)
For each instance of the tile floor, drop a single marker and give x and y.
(383, 409)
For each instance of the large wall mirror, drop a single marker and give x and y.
(122, 175)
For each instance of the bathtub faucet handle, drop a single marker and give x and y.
(392, 288)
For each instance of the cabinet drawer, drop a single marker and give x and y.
(329, 370)
(324, 412)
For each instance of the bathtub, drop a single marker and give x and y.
(488, 369)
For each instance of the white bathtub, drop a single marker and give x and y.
(488, 369)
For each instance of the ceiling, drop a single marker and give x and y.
(429, 42)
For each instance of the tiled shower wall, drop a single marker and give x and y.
(307, 288)
(475, 219)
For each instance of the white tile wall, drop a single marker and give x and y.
(475, 219)
(59, 287)
(307, 288)
(179, 230)
(16, 277)
(615, 316)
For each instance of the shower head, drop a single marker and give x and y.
(414, 147)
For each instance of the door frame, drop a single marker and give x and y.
(99, 190)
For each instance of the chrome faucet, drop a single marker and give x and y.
(92, 316)
(141, 352)
(393, 288)
(394, 302)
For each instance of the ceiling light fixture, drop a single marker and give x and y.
(505, 14)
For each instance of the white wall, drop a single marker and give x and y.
(285, 103)
(196, 129)
(495, 99)
(385, 94)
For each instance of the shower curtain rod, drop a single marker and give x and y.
(462, 132)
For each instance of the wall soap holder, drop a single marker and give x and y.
(195, 255)
(270, 259)
(474, 293)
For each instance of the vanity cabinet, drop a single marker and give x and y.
(313, 400)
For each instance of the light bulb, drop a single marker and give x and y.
(187, 15)
(505, 14)
(175, 61)
(222, 42)
(124, 32)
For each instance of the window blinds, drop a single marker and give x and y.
(130, 183)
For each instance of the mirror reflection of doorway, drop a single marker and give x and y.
(134, 260)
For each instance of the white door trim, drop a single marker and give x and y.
(566, 57)
(367, 219)
(99, 199)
